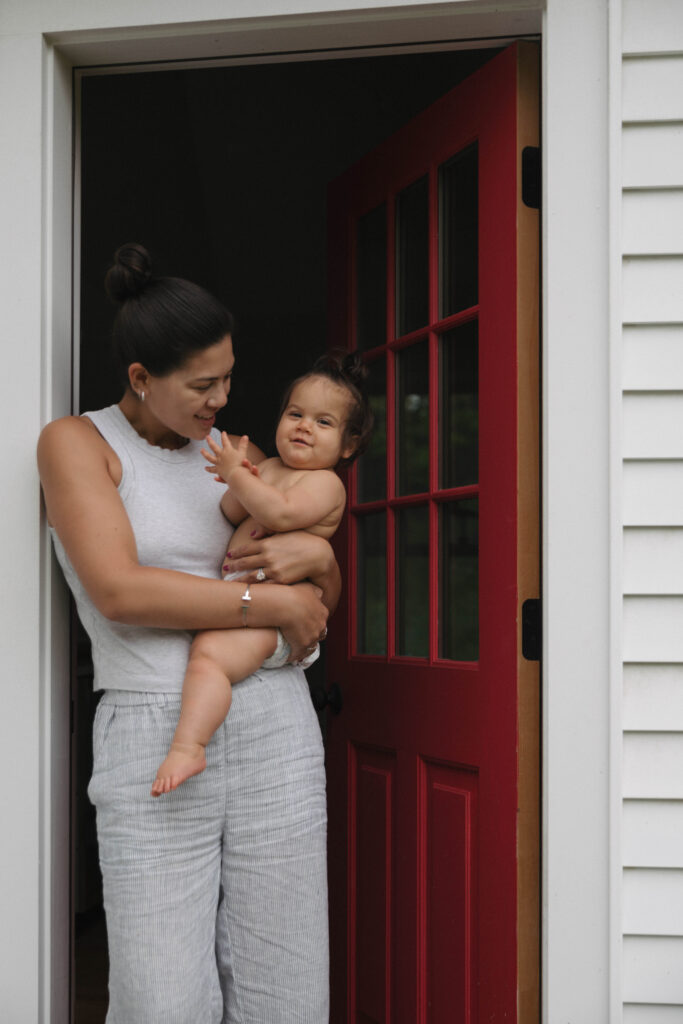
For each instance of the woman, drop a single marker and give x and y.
(216, 901)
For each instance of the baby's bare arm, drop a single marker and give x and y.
(252, 457)
(233, 509)
(315, 499)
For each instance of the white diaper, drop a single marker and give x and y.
(280, 655)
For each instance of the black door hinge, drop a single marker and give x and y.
(531, 629)
(531, 177)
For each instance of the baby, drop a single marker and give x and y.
(325, 423)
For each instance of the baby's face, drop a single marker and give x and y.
(310, 434)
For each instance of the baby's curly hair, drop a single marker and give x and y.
(347, 370)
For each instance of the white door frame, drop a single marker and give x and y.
(581, 445)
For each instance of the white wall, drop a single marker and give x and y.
(35, 302)
(34, 206)
(652, 313)
(21, 293)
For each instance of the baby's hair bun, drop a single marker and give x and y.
(129, 273)
(354, 369)
(343, 366)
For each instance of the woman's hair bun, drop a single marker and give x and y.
(129, 273)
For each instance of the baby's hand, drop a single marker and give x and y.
(223, 458)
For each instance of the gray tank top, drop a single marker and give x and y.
(174, 509)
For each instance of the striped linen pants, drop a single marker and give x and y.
(215, 894)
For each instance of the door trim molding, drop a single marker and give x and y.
(579, 709)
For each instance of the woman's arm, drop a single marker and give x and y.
(84, 507)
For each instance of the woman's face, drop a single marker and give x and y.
(186, 401)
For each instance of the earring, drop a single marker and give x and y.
(141, 396)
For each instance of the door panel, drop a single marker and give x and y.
(431, 258)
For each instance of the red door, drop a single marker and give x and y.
(433, 759)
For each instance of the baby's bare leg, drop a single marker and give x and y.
(217, 657)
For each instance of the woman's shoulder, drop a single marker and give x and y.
(67, 428)
(74, 429)
(72, 439)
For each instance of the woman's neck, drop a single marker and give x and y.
(144, 423)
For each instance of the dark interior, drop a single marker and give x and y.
(222, 174)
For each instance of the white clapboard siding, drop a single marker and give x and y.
(652, 222)
(652, 833)
(653, 425)
(652, 969)
(648, 1013)
(652, 155)
(653, 629)
(653, 766)
(652, 287)
(653, 560)
(653, 355)
(652, 492)
(651, 233)
(652, 90)
(653, 698)
(653, 901)
(651, 26)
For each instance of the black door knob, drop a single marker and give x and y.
(331, 698)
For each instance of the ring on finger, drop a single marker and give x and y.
(261, 575)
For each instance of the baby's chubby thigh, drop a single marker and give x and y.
(237, 652)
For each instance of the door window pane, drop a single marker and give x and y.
(372, 583)
(412, 419)
(458, 232)
(412, 257)
(371, 278)
(459, 419)
(412, 579)
(459, 585)
(372, 466)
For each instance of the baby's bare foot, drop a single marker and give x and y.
(182, 762)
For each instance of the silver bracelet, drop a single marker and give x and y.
(246, 598)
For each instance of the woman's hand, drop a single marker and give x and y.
(284, 557)
(306, 620)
